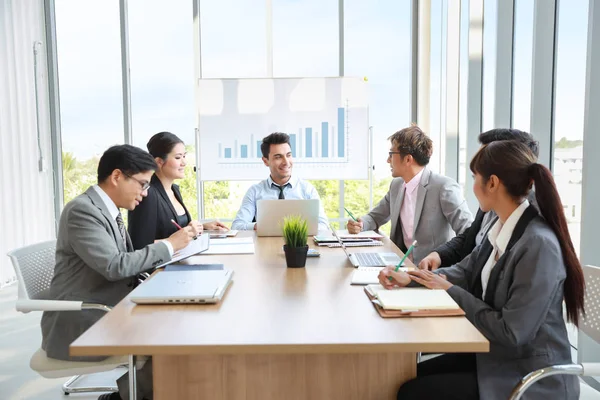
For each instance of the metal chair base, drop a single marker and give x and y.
(69, 387)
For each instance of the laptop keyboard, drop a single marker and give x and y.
(368, 259)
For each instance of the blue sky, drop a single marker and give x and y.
(305, 43)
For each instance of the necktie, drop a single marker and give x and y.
(121, 226)
(281, 196)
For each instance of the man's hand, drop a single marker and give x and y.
(354, 226)
(431, 262)
(181, 238)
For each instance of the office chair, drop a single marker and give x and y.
(590, 325)
(34, 267)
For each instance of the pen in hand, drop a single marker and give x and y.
(350, 214)
(179, 227)
(412, 246)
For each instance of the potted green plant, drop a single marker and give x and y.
(295, 234)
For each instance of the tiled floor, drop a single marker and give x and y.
(20, 337)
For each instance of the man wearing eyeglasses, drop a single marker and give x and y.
(422, 205)
(95, 260)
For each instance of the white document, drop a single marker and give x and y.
(344, 234)
(368, 276)
(196, 246)
(243, 245)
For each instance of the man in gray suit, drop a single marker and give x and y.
(95, 261)
(422, 205)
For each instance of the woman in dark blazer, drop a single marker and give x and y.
(511, 287)
(153, 218)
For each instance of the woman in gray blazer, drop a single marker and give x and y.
(511, 287)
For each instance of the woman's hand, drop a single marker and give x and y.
(214, 226)
(398, 279)
(197, 228)
(429, 279)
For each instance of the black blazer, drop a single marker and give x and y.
(151, 219)
(462, 244)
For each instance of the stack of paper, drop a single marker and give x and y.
(344, 234)
(413, 299)
(243, 245)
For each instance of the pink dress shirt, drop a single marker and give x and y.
(407, 210)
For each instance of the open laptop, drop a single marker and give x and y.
(183, 287)
(270, 214)
(371, 259)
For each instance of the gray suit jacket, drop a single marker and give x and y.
(92, 265)
(521, 315)
(440, 213)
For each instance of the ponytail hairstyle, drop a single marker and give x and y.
(515, 165)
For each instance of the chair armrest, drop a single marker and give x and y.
(591, 369)
(533, 377)
(26, 306)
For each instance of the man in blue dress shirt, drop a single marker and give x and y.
(277, 155)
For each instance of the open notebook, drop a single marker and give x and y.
(413, 302)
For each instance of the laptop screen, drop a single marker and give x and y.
(340, 241)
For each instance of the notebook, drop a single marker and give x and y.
(197, 246)
(416, 299)
(368, 275)
(412, 302)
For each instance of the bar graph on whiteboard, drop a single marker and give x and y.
(325, 142)
(326, 119)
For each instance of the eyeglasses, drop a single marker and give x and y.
(144, 185)
(391, 153)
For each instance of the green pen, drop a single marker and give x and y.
(350, 214)
(412, 246)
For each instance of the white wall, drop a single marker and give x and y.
(26, 196)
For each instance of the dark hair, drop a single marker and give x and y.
(161, 144)
(413, 141)
(515, 165)
(273, 138)
(495, 135)
(129, 159)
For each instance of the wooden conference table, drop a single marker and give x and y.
(293, 333)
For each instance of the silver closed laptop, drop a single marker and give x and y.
(183, 287)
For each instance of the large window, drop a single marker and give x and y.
(305, 38)
(161, 54)
(235, 40)
(522, 64)
(377, 46)
(91, 106)
(569, 109)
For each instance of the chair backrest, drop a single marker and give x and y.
(34, 266)
(590, 325)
